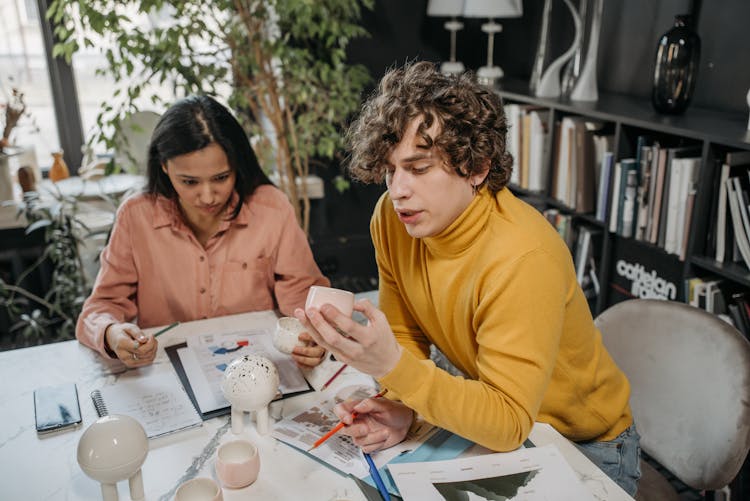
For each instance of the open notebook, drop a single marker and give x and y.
(153, 397)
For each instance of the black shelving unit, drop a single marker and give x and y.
(714, 131)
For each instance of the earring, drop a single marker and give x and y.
(474, 189)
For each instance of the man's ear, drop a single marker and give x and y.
(478, 178)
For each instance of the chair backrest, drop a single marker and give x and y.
(131, 145)
(689, 373)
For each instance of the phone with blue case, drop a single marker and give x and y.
(56, 408)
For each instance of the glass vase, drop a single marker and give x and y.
(676, 68)
(59, 169)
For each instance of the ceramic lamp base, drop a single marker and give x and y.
(262, 423)
(452, 68)
(109, 492)
(489, 75)
(262, 420)
(136, 486)
(238, 424)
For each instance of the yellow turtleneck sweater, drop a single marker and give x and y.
(496, 292)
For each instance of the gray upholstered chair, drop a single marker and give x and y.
(690, 378)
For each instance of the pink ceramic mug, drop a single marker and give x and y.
(341, 299)
(237, 464)
(199, 489)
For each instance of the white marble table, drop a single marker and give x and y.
(36, 468)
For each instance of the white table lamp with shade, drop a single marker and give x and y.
(489, 74)
(452, 9)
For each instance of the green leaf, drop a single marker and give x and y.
(42, 223)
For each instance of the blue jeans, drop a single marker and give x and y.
(620, 458)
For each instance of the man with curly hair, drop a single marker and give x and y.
(468, 267)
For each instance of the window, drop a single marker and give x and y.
(23, 64)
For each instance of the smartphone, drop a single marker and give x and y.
(56, 408)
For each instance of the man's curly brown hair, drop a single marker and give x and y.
(471, 119)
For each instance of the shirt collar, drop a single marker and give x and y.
(167, 213)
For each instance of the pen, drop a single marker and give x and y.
(341, 369)
(376, 477)
(341, 425)
(165, 329)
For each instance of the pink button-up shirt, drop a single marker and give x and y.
(154, 271)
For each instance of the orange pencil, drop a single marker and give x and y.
(341, 424)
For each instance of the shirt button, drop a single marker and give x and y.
(202, 258)
(203, 290)
(244, 266)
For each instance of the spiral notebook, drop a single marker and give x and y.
(155, 398)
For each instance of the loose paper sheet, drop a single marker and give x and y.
(533, 474)
(304, 428)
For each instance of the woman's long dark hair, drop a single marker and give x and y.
(191, 124)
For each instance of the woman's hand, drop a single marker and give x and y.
(370, 348)
(310, 355)
(130, 344)
(380, 423)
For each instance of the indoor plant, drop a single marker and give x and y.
(280, 63)
(41, 317)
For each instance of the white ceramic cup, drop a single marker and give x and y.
(199, 489)
(286, 335)
(341, 299)
(237, 464)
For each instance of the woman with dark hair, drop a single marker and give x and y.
(210, 236)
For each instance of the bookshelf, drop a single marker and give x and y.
(712, 132)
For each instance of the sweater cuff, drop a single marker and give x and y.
(107, 349)
(408, 376)
(91, 333)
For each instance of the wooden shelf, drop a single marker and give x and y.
(732, 271)
(714, 131)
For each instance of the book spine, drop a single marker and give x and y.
(629, 204)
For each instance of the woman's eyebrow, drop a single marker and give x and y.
(186, 176)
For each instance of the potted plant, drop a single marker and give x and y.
(282, 61)
(45, 316)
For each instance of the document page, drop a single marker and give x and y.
(207, 356)
(303, 429)
(529, 474)
(154, 397)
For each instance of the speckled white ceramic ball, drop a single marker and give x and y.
(250, 382)
(112, 449)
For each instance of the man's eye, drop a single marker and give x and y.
(189, 182)
(421, 169)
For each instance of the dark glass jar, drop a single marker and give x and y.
(677, 58)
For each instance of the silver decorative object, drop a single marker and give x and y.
(585, 88)
(572, 70)
(549, 85)
(541, 50)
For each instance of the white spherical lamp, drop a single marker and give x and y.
(113, 449)
(250, 383)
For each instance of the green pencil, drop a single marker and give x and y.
(165, 329)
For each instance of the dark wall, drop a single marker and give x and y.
(401, 31)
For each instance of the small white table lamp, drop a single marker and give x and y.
(452, 9)
(250, 383)
(488, 75)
